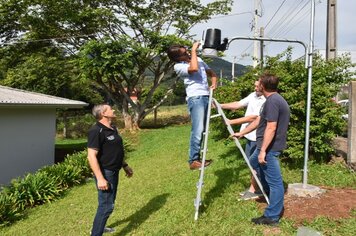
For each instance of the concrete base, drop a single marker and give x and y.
(309, 190)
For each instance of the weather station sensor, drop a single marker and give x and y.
(212, 43)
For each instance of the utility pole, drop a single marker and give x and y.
(262, 32)
(233, 69)
(255, 34)
(331, 33)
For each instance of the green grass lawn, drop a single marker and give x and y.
(158, 199)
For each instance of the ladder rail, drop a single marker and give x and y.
(205, 147)
(200, 183)
(237, 142)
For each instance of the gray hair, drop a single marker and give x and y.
(98, 110)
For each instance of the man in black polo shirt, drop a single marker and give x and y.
(272, 126)
(106, 157)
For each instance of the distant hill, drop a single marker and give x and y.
(222, 66)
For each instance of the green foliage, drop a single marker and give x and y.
(325, 117)
(120, 43)
(158, 199)
(45, 70)
(33, 189)
(44, 186)
(77, 126)
(9, 212)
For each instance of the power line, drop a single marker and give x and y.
(275, 13)
(285, 17)
(291, 18)
(234, 14)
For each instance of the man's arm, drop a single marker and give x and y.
(251, 127)
(268, 136)
(214, 78)
(241, 120)
(193, 64)
(231, 106)
(102, 183)
(127, 169)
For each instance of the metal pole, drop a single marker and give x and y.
(310, 67)
(233, 69)
(197, 201)
(255, 34)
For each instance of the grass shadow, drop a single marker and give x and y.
(226, 177)
(165, 122)
(136, 219)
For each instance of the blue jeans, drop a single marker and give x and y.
(272, 182)
(198, 108)
(250, 147)
(106, 200)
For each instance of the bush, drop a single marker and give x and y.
(9, 212)
(325, 119)
(45, 185)
(34, 189)
(77, 126)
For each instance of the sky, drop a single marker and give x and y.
(287, 19)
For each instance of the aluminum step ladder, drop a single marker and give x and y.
(197, 201)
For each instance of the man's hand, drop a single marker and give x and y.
(238, 135)
(262, 158)
(128, 171)
(227, 122)
(213, 86)
(195, 45)
(102, 184)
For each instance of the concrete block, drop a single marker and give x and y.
(299, 190)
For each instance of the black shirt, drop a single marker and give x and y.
(275, 109)
(109, 145)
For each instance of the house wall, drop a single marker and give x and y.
(27, 139)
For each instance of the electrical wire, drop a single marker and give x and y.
(289, 13)
(275, 13)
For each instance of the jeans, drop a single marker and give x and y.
(198, 108)
(272, 182)
(250, 147)
(106, 200)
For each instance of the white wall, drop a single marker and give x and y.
(27, 138)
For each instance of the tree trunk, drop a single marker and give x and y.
(65, 124)
(132, 122)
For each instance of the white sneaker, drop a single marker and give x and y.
(109, 230)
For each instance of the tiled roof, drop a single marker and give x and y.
(17, 97)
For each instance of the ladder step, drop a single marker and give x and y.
(213, 116)
(195, 203)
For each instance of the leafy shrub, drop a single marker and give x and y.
(8, 210)
(45, 185)
(74, 170)
(77, 126)
(34, 189)
(325, 118)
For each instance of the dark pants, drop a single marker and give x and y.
(106, 200)
(272, 182)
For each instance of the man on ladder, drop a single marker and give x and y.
(194, 71)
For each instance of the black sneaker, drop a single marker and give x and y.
(264, 221)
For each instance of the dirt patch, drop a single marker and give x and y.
(334, 203)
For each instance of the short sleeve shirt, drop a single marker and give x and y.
(196, 84)
(109, 145)
(254, 105)
(275, 109)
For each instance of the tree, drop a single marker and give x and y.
(120, 41)
(325, 117)
(45, 70)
